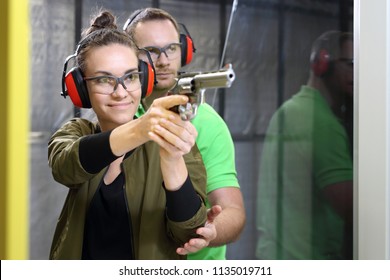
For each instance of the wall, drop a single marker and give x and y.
(14, 129)
(373, 106)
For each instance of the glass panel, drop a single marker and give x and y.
(290, 112)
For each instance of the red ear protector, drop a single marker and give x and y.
(325, 50)
(187, 46)
(319, 62)
(74, 85)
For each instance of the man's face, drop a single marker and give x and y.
(155, 35)
(343, 70)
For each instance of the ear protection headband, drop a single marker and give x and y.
(187, 44)
(325, 49)
(319, 62)
(74, 85)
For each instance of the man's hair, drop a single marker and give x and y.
(326, 49)
(147, 14)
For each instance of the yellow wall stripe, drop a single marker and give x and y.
(3, 115)
(15, 153)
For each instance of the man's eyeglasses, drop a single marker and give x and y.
(108, 84)
(171, 51)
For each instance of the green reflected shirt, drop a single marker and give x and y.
(306, 148)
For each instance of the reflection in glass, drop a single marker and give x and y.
(306, 171)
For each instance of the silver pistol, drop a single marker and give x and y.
(194, 84)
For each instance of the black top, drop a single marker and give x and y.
(108, 230)
(107, 234)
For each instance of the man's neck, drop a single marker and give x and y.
(337, 100)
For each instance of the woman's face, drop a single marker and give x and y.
(115, 107)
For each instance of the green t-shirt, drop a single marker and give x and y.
(306, 148)
(217, 149)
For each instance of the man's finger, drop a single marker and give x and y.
(213, 212)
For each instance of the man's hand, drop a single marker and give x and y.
(207, 233)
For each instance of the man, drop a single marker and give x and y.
(158, 32)
(305, 191)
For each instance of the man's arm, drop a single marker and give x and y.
(340, 197)
(230, 222)
(224, 195)
(225, 221)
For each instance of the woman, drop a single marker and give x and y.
(136, 186)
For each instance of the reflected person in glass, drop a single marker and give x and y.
(305, 194)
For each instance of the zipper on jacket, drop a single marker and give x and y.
(128, 214)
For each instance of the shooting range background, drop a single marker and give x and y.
(268, 44)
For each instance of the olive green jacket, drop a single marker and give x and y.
(154, 236)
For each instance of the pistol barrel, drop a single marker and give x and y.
(221, 79)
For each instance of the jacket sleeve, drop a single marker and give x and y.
(179, 230)
(63, 152)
